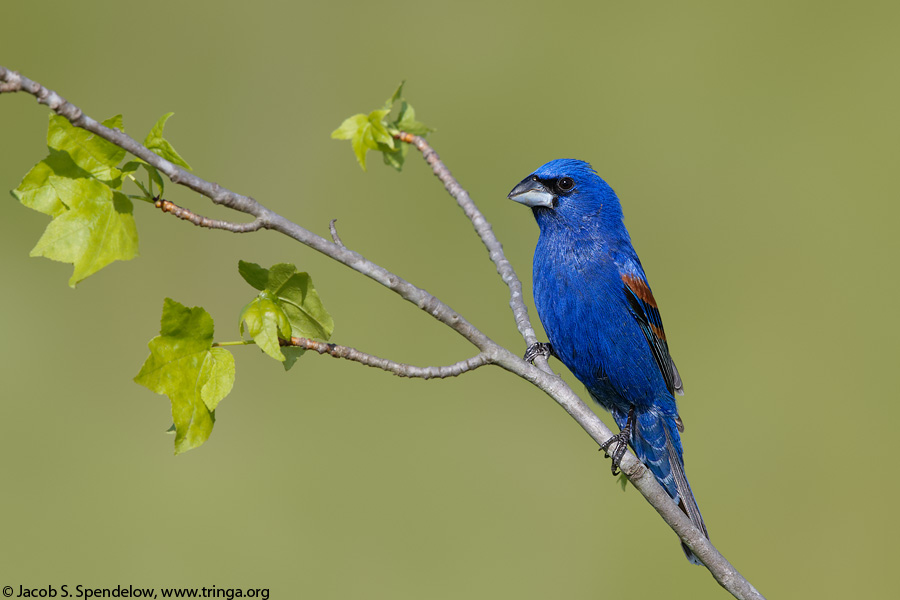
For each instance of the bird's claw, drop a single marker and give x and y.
(621, 442)
(538, 349)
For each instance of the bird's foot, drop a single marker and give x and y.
(538, 349)
(621, 442)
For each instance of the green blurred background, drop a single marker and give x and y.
(754, 147)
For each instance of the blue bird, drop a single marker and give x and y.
(597, 308)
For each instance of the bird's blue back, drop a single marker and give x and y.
(597, 308)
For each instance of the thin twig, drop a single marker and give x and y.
(398, 369)
(334, 233)
(548, 382)
(201, 221)
(486, 233)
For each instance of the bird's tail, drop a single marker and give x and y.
(656, 441)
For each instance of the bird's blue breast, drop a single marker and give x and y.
(579, 296)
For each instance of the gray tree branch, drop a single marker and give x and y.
(491, 352)
(398, 369)
(486, 233)
(201, 221)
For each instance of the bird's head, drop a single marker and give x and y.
(569, 192)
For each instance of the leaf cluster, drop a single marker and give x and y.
(79, 185)
(287, 306)
(196, 373)
(374, 132)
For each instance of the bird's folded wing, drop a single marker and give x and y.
(643, 307)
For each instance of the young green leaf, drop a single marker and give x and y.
(89, 151)
(397, 95)
(358, 130)
(218, 373)
(365, 133)
(293, 295)
(97, 229)
(74, 153)
(184, 366)
(35, 191)
(371, 132)
(254, 274)
(130, 167)
(349, 127)
(291, 354)
(300, 302)
(406, 121)
(161, 146)
(76, 184)
(395, 158)
(379, 132)
(265, 321)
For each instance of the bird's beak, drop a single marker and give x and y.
(532, 193)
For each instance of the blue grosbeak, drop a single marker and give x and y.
(597, 308)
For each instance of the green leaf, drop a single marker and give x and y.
(623, 480)
(395, 158)
(131, 166)
(370, 132)
(406, 121)
(362, 144)
(89, 151)
(296, 297)
(184, 366)
(35, 191)
(218, 372)
(265, 320)
(97, 229)
(74, 153)
(357, 129)
(254, 274)
(397, 95)
(291, 354)
(161, 146)
(379, 132)
(300, 302)
(365, 132)
(349, 127)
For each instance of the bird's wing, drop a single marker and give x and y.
(643, 307)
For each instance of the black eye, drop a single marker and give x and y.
(565, 184)
(534, 178)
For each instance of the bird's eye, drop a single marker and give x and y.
(565, 184)
(534, 178)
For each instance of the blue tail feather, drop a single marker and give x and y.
(656, 442)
